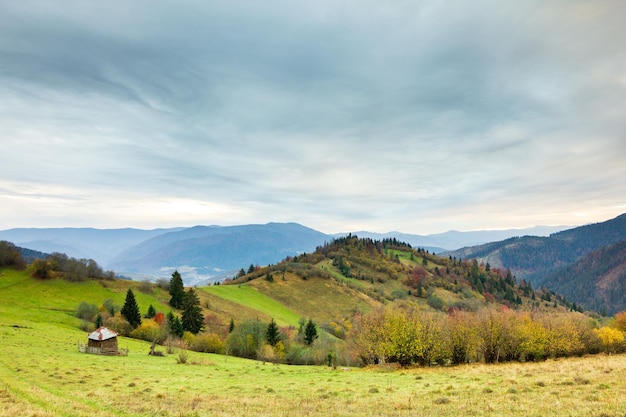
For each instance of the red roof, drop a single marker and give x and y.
(102, 334)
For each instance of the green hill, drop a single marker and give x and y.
(351, 275)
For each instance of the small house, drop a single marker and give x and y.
(102, 341)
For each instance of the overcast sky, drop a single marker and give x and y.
(415, 116)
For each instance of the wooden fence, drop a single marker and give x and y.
(102, 351)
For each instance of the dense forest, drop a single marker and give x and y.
(597, 281)
(536, 258)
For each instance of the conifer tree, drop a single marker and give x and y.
(177, 327)
(130, 311)
(310, 332)
(192, 317)
(272, 333)
(151, 312)
(177, 290)
(99, 321)
(231, 327)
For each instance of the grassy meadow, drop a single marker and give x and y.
(43, 374)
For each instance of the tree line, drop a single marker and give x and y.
(402, 333)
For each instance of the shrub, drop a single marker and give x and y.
(109, 306)
(163, 284)
(435, 302)
(183, 357)
(87, 311)
(119, 324)
(146, 287)
(149, 331)
(208, 343)
(246, 338)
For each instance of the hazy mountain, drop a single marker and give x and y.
(453, 239)
(205, 252)
(98, 244)
(209, 253)
(597, 280)
(535, 258)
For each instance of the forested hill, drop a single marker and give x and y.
(390, 270)
(536, 258)
(597, 281)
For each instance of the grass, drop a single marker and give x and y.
(250, 297)
(43, 374)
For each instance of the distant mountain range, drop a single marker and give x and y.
(587, 264)
(210, 253)
(535, 258)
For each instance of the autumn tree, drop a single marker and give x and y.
(10, 255)
(192, 317)
(159, 318)
(130, 311)
(177, 290)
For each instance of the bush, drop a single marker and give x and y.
(183, 357)
(246, 338)
(109, 306)
(149, 331)
(208, 343)
(146, 287)
(435, 302)
(87, 311)
(119, 324)
(299, 355)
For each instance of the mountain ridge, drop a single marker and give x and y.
(535, 258)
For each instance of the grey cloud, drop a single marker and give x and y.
(321, 110)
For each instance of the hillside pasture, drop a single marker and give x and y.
(42, 374)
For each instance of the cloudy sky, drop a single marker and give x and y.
(417, 116)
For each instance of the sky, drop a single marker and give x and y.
(412, 116)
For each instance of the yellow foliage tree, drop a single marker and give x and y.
(612, 339)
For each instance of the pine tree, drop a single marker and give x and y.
(151, 312)
(130, 311)
(177, 290)
(272, 334)
(98, 321)
(177, 327)
(231, 327)
(192, 317)
(310, 332)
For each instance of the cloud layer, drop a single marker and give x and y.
(412, 116)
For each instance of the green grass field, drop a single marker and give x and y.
(249, 297)
(43, 374)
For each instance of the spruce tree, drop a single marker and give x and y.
(99, 321)
(272, 333)
(192, 317)
(151, 312)
(177, 290)
(177, 327)
(130, 311)
(310, 332)
(231, 327)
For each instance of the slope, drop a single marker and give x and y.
(597, 280)
(535, 258)
(350, 275)
(206, 252)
